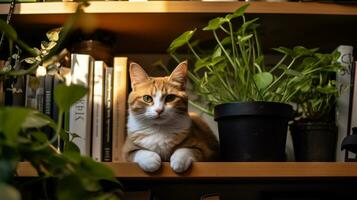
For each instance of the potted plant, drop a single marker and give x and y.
(314, 131)
(249, 98)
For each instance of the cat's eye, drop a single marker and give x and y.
(170, 98)
(147, 98)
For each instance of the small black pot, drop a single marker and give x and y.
(314, 141)
(253, 131)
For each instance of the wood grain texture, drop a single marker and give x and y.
(184, 7)
(230, 170)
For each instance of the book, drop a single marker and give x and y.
(97, 129)
(343, 80)
(48, 102)
(34, 92)
(80, 114)
(108, 115)
(54, 115)
(119, 106)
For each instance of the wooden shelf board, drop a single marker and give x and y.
(184, 7)
(149, 27)
(230, 170)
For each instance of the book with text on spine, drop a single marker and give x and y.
(80, 114)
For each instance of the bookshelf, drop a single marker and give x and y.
(157, 23)
(228, 170)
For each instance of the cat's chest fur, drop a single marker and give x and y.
(161, 139)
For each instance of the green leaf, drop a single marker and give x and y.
(293, 72)
(217, 52)
(71, 147)
(66, 96)
(244, 38)
(249, 25)
(201, 63)
(39, 136)
(30, 60)
(12, 119)
(215, 23)
(8, 192)
(181, 40)
(240, 11)
(263, 79)
(47, 45)
(36, 119)
(8, 30)
(284, 50)
(53, 35)
(226, 41)
(98, 171)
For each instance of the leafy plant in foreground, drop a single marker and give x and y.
(22, 137)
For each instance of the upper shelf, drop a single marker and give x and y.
(229, 170)
(184, 7)
(149, 27)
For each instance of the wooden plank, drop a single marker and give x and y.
(230, 170)
(184, 7)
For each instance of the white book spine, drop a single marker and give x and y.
(343, 80)
(97, 134)
(80, 114)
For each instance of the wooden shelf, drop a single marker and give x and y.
(149, 27)
(229, 170)
(184, 7)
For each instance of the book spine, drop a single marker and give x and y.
(108, 115)
(30, 95)
(80, 114)
(343, 80)
(54, 115)
(97, 111)
(48, 101)
(40, 94)
(119, 106)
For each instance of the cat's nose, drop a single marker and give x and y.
(159, 110)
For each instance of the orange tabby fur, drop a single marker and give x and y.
(176, 129)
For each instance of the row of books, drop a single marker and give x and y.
(99, 118)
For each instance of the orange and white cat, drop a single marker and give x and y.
(159, 125)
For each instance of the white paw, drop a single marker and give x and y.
(181, 160)
(148, 161)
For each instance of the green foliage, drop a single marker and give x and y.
(316, 98)
(22, 137)
(234, 69)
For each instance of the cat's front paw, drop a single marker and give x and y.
(148, 161)
(181, 160)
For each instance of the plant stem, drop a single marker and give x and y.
(201, 108)
(224, 51)
(280, 77)
(193, 51)
(278, 64)
(59, 126)
(26, 47)
(175, 58)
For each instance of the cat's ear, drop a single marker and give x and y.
(179, 75)
(137, 74)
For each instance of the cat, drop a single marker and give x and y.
(160, 128)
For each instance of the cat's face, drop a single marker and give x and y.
(157, 100)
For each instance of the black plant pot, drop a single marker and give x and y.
(253, 131)
(314, 141)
